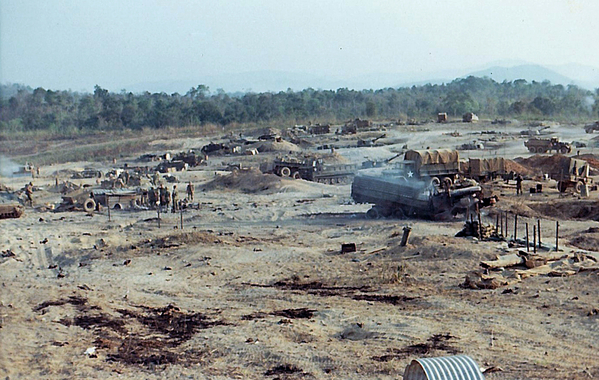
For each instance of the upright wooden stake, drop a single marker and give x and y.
(534, 239)
(539, 231)
(556, 235)
(506, 222)
(480, 225)
(527, 244)
(497, 225)
(515, 226)
(502, 225)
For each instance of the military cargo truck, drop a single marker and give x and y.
(536, 145)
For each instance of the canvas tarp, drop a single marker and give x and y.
(486, 166)
(432, 157)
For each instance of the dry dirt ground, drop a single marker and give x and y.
(255, 286)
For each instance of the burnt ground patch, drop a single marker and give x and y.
(285, 370)
(144, 335)
(72, 300)
(358, 293)
(437, 342)
(301, 313)
(385, 298)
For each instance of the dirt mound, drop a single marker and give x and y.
(246, 180)
(571, 209)
(275, 146)
(513, 166)
(590, 242)
(543, 164)
(263, 131)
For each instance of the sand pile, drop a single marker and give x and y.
(543, 164)
(513, 166)
(263, 131)
(573, 209)
(275, 146)
(246, 180)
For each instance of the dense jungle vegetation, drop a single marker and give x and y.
(24, 109)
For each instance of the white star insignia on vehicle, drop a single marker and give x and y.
(410, 174)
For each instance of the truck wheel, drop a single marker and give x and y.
(532, 149)
(386, 212)
(435, 181)
(285, 171)
(579, 186)
(89, 205)
(398, 213)
(296, 175)
(447, 182)
(562, 186)
(373, 213)
(563, 150)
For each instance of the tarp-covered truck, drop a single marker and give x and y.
(482, 169)
(434, 166)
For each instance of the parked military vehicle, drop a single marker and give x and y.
(433, 166)
(536, 145)
(422, 185)
(310, 169)
(190, 158)
(77, 200)
(571, 173)
(394, 194)
(482, 169)
(8, 211)
(590, 128)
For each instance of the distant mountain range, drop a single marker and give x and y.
(274, 81)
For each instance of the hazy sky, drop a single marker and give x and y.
(62, 44)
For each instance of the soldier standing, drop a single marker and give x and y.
(190, 190)
(174, 198)
(29, 193)
(167, 199)
(519, 184)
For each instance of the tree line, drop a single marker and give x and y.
(68, 112)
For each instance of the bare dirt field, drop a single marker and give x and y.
(255, 286)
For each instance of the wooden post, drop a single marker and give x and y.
(556, 235)
(501, 225)
(405, 237)
(480, 224)
(515, 226)
(534, 239)
(497, 225)
(539, 231)
(527, 244)
(506, 229)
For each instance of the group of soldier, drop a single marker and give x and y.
(162, 197)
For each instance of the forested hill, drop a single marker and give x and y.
(66, 111)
